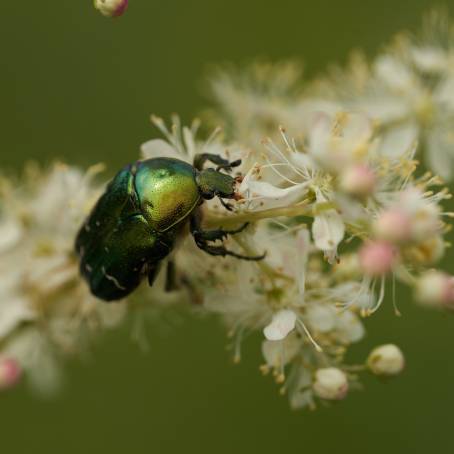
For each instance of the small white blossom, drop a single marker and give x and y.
(386, 360)
(328, 229)
(330, 384)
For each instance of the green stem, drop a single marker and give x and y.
(212, 221)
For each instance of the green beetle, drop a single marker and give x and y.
(137, 220)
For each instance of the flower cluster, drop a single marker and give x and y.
(331, 191)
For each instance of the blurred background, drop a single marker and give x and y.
(80, 87)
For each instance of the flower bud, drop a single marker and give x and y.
(377, 258)
(358, 180)
(111, 8)
(393, 225)
(10, 373)
(435, 288)
(330, 383)
(386, 360)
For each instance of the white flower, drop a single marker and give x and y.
(327, 229)
(281, 325)
(301, 395)
(264, 195)
(40, 274)
(423, 212)
(279, 353)
(386, 360)
(330, 384)
(339, 140)
(430, 59)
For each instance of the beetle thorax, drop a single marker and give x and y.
(167, 191)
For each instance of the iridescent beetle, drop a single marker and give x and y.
(137, 220)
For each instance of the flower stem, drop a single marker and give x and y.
(211, 221)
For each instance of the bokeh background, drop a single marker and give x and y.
(79, 87)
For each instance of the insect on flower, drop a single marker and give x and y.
(143, 211)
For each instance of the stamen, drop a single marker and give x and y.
(308, 334)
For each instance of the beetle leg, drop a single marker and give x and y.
(202, 158)
(171, 277)
(203, 237)
(227, 206)
(153, 270)
(222, 251)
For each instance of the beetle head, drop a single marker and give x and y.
(213, 183)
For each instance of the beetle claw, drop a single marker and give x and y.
(226, 205)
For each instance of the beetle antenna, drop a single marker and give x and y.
(228, 167)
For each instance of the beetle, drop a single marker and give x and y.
(144, 209)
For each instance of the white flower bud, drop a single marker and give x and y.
(358, 180)
(435, 288)
(386, 360)
(111, 8)
(330, 383)
(282, 323)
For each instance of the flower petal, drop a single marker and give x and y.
(281, 325)
(158, 148)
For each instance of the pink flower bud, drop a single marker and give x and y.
(111, 8)
(358, 180)
(10, 373)
(435, 288)
(377, 257)
(393, 225)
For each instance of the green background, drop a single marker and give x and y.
(80, 87)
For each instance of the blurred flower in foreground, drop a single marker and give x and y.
(111, 8)
(331, 189)
(45, 310)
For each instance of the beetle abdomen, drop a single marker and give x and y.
(115, 266)
(116, 243)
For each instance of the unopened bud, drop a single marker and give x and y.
(358, 180)
(393, 225)
(10, 373)
(330, 383)
(377, 258)
(435, 288)
(111, 8)
(386, 360)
